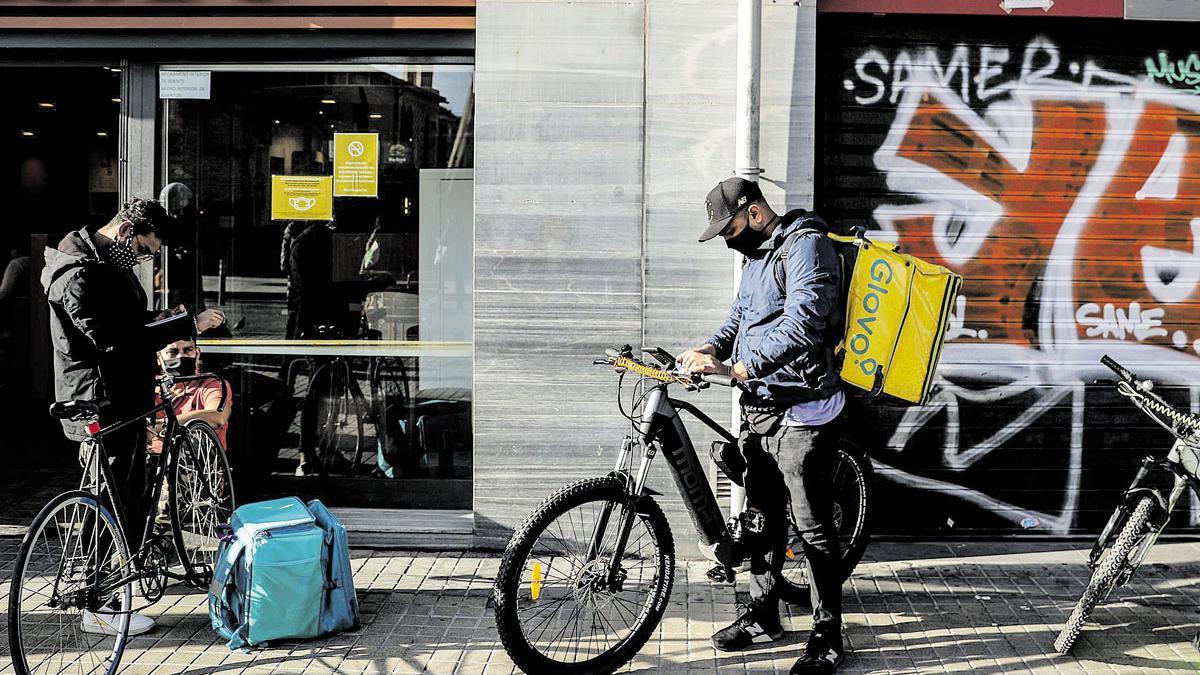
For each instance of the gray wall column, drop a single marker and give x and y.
(601, 127)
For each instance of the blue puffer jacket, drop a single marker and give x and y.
(786, 340)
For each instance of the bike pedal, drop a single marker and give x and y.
(722, 574)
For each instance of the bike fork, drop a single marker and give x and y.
(633, 490)
(1143, 550)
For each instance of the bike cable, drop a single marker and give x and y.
(1153, 405)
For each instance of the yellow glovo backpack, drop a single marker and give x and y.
(896, 312)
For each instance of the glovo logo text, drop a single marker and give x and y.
(862, 329)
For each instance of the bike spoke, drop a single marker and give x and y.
(577, 616)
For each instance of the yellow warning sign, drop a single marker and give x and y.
(356, 165)
(301, 198)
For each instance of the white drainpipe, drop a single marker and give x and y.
(749, 49)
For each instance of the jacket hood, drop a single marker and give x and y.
(76, 248)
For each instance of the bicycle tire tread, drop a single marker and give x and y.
(523, 538)
(1105, 575)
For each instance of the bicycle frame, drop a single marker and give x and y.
(662, 429)
(1180, 469)
(98, 479)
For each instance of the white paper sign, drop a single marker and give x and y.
(184, 84)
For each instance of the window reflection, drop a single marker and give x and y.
(311, 278)
(391, 427)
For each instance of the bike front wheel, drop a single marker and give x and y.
(560, 605)
(1108, 571)
(201, 487)
(73, 559)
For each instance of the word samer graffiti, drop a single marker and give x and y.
(1068, 197)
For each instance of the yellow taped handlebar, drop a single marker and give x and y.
(642, 369)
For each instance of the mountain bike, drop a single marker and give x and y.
(1146, 506)
(585, 579)
(76, 556)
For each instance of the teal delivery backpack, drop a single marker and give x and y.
(282, 573)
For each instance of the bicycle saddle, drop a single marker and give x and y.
(73, 410)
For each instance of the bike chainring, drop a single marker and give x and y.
(152, 581)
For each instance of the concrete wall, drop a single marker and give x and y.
(601, 127)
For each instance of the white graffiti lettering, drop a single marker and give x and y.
(1114, 322)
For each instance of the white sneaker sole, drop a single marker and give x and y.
(104, 628)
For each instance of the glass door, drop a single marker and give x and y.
(59, 129)
(331, 217)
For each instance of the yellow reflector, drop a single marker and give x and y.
(790, 553)
(535, 587)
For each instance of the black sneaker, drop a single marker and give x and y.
(823, 653)
(755, 626)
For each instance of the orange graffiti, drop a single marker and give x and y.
(1000, 278)
(1109, 265)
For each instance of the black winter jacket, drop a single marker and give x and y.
(103, 336)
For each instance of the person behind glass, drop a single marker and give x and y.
(104, 341)
(781, 341)
(291, 232)
(310, 278)
(209, 399)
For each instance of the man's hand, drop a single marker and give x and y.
(688, 358)
(695, 361)
(209, 318)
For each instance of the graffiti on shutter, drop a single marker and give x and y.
(1066, 191)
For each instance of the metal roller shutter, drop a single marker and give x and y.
(1056, 165)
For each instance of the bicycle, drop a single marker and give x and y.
(602, 546)
(335, 411)
(75, 555)
(1146, 507)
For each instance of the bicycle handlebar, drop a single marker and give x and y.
(722, 380)
(1117, 368)
(624, 360)
(1152, 404)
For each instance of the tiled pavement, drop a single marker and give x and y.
(985, 608)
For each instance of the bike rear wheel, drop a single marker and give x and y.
(202, 498)
(72, 551)
(555, 610)
(338, 419)
(1108, 571)
(851, 481)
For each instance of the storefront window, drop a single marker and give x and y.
(330, 216)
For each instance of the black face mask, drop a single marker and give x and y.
(186, 365)
(123, 254)
(185, 368)
(747, 241)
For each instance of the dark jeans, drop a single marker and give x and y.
(795, 461)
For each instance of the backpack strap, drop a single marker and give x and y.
(225, 619)
(785, 248)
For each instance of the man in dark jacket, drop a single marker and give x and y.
(780, 335)
(105, 341)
